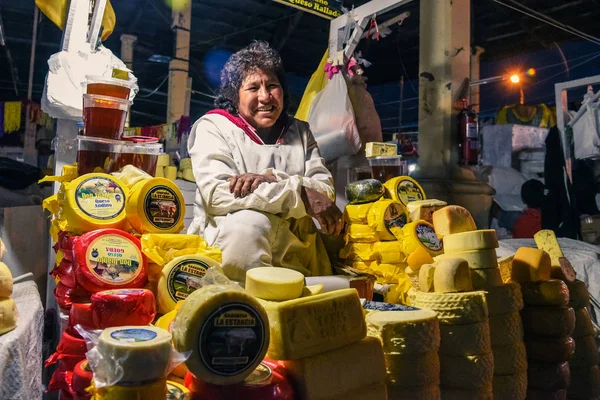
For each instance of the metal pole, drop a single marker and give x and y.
(36, 16)
(400, 107)
(29, 150)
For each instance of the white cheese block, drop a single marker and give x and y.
(510, 387)
(452, 275)
(271, 283)
(484, 279)
(453, 308)
(511, 359)
(6, 281)
(474, 240)
(477, 259)
(409, 370)
(467, 372)
(465, 340)
(505, 329)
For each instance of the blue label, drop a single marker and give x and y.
(133, 335)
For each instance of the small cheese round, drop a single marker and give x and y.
(583, 324)
(357, 213)
(531, 265)
(550, 349)
(421, 234)
(511, 359)
(505, 329)
(453, 308)
(548, 321)
(585, 383)
(504, 299)
(272, 283)
(579, 297)
(548, 376)
(553, 292)
(452, 275)
(467, 372)
(510, 387)
(420, 369)
(484, 279)
(123, 307)
(453, 219)
(474, 240)
(426, 278)
(477, 259)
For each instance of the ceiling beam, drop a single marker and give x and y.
(285, 30)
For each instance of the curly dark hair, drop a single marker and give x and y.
(257, 55)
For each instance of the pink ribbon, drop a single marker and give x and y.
(331, 70)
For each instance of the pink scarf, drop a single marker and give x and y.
(241, 123)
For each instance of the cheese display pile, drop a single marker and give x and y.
(8, 308)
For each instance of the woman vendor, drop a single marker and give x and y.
(259, 173)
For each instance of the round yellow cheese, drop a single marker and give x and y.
(484, 279)
(421, 234)
(420, 369)
(8, 315)
(404, 189)
(155, 205)
(550, 350)
(465, 340)
(473, 240)
(451, 276)
(467, 372)
(453, 308)
(385, 217)
(6, 281)
(477, 259)
(505, 329)
(272, 283)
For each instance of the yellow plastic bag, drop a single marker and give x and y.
(161, 248)
(317, 82)
(398, 293)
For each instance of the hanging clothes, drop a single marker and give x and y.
(12, 116)
(539, 115)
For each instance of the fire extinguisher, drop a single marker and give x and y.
(468, 134)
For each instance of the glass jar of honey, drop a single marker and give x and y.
(104, 116)
(97, 154)
(112, 87)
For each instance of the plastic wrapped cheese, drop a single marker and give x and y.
(109, 259)
(82, 378)
(64, 273)
(357, 213)
(65, 296)
(357, 233)
(404, 189)
(121, 307)
(155, 205)
(387, 217)
(81, 314)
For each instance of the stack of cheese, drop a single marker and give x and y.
(164, 169)
(8, 308)
(467, 363)
(548, 323)
(411, 340)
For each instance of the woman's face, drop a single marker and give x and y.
(261, 99)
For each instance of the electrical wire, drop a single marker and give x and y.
(155, 90)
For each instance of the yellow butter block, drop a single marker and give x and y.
(357, 233)
(357, 213)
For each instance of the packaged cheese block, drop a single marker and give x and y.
(511, 359)
(215, 323)
(452, 219)
(363, 364)
(430, 392)
(585, 383)
(180, 277)
(477, 259)
(155, 205)
(454, 308)
(466, 394)
(386, 217)
(405, 332)
(357, 213)
(411, 370)
(583, 324)
(64, 273)
(358, 252)
(404, 189)
(505, 329)
(389, 252)
(548, 376)
(92, 201)
(177, 391)
(312, 325)
(504, 299)
(553, 292)
(156, 390)
(6, 281)
(365, 191)
(474, 240)
(579, 296)
(467, 372)
(70, 344)
(465, 340)
(109, 259)
(548, 321)
(376, 149)
(551, 350)
(8, 315)
(421, 234)
(418, 258)
(362, 265)
(65, 296)
(485, 279)
(451, 276)
(536, 394)
(131, 347)
(271, 283)
(121, 307)
(424, 209)
(510, 387)
(375, 391)
(356, 233)
(505, 266)
(586, 352)
(530, 265)
(427, 278)
(81, 314)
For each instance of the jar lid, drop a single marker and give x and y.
(107, 81)
(141, 148)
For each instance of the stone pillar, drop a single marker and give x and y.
(178, 101)
(475, 76)
(127, 43)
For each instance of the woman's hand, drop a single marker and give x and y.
(323, 210)
(243, 184)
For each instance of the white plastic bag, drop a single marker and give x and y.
(586, 136)
(331, 120)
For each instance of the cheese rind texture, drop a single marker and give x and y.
(454, 308)
(510, 360)
(453, 219)
(510, 387)
(465, 394)
(315, 324)
(467, 372)
(363, 364)
(405, 332)
(484, 279)
(473, 240)
(6, 281)
(477, 259)
(430, 392)
(375, 391)
(410, 370)
(579, 297)
(531, 265)
(452, 275)
(505, 329)
(465, 340)
(586, 352)
(550, 350)
(271, 283)
(548, 321)
(427, 278)
(548, 376)
(553, 292)
(424, 209)
(583, 324)
(504, 299)
(505, 266)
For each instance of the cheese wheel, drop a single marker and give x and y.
(179, 278)
(65, 296)
(465, 340)
(109, 259)
(364, 191)
(430, 392)
(131, 347)
(546, 240)
(82, 378)
(81, 314)
(583, 324)
(421, 234)
(389, 252)
(504, 299)
(123, 307)
(424, 209)
(551, 350)
(477, 259)
(553, 292)
(452, 219)
(535, 394)
(465, 394)
(385, 217)
(548, 321)
(505, 329)
(427, 278)
(404, 189)
(484, 279)
(411, 370)
(548, 376)
(418, 258)
(510, 387)
(6, 281)
(579, 296)
(72, 345)
(226, 330)
(511, 359)
(474, 240)
(405, 332)
(531, 265)
(176, 391)
(467, 372)
(358, 252)
(357, 213)
(505, 266)
(166, 322)
(451, 276)
(8, 315)
(156, 390)
(93, 201)
(65, 274)
(586, 352)
(155, 205)
(585, 383)
(356, 233)
(454, 308)
(271, 283)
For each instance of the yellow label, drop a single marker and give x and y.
(408, 191)
(100, 198)
(114, 259)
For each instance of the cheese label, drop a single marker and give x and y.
(100, 198)
(408, 191)
(176, 391)
(114, 259)
(394, 216)
(232, 339)
(133, 335)
(184, 278)
(428, 237)
(162, 207)
(261, 375)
